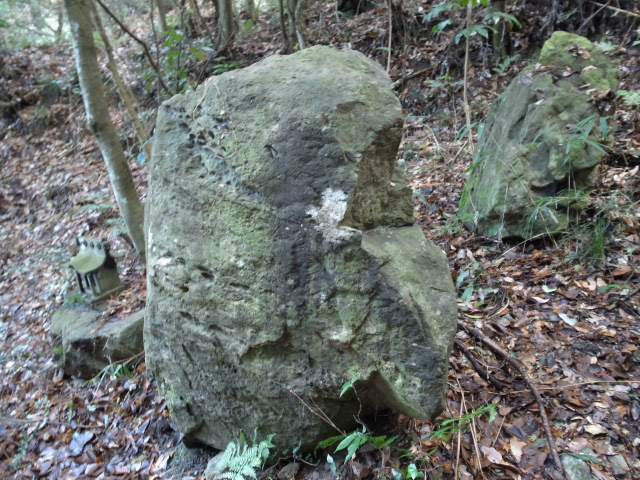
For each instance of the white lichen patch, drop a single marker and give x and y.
(329, 216)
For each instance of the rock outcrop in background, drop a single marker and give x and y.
(282, 259)
(540, 144)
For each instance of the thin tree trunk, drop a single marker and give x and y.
(296, 18)
(98, 119)
(123, 89)
(196, 19)
(60, 21)
(226, 26)
(467, 109)
(162, 14)
(283, 27)
(499, 35)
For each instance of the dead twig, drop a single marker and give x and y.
(484, 373)
(519, 367)
(318, 413)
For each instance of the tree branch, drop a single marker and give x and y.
(143, 44)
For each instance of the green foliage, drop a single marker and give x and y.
(353, 441)
(605, 46)
(546, 208)
(411, 472)
(630, 97)
(583, 133)
(450, 427)
(112, 371)
(19, 457)
(489, 17)
(92, 207)
(241, 460)
(349, 384)
(222, 66)
(467, 282)
(73, 299)
(503, 66)
(177, 53)
(593, 236)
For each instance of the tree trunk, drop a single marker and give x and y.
(499, 37)
(95, 104)
(296, 10)
(125, 93)
(163, 8)
(60, 26)
(226, 25)
(250, 6)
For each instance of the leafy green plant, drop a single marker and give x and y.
(583, 133)
(223, 66)
(353, 441)
(605, 46)
(240, 461)
(74, 299)
(503, 66)
(451, 426)
(466, 281)
(489, 17)
(112, 371)
(17, 460)
(630, 97)
(411, 472)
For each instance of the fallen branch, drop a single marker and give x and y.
(401, 81)
(617, 10)
(484, 373)
(519, 367)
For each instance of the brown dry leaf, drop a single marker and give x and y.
(516, 448)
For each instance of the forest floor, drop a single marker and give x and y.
(566, 309)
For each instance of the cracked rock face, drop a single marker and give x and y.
(282, 259)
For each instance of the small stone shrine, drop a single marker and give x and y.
(95, 270)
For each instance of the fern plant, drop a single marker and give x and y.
(239, 461)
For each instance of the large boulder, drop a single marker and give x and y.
(282, 259)
(540, 144)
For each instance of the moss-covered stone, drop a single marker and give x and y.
(280, 260)
(84, 343)
(534, 146)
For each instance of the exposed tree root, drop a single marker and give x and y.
(519, 367)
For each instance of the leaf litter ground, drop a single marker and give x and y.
(572, 323)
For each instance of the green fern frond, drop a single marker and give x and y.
(241, 461)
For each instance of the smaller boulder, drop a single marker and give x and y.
(84, 343)
(540, 148)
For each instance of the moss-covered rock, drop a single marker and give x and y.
(281, 256)
(540, 141)
(84, 343)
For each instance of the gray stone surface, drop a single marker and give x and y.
(84, 343)
(532, 149)
(576, 468)
(282, 260)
